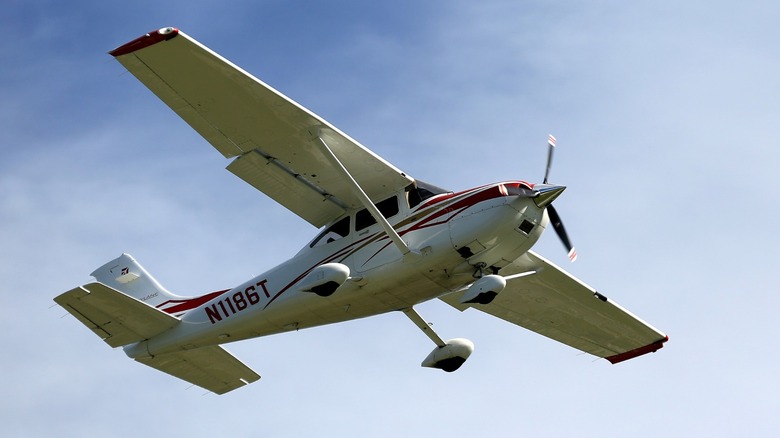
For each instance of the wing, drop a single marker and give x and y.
(270, 136)
(554, 304)
(211, 368)
(117, 318)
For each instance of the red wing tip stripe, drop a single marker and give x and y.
(146, 40)
(651, 348)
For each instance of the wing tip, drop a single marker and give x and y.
(146, 40)
(650, 348)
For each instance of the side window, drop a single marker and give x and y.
(422, 191)
(388, 208)
(332, 233)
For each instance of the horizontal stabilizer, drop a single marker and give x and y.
(211, 368)
(117, 318)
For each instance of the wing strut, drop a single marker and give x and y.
(358, 191)
(424, 326)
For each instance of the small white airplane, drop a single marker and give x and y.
(388, 242)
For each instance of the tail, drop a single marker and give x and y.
(126, 275)
(127, 307)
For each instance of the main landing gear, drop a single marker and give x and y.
(447, 356)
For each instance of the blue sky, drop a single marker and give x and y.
(666, 117)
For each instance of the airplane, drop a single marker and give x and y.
(388, 242)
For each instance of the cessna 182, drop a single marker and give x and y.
(388, 241)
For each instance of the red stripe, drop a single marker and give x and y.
(190, 303)
(457, 207)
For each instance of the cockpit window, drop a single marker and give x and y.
(388, 208)
(332, 233)
(420, 191)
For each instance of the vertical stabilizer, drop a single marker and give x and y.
(127, 276)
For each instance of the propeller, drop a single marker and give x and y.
(547, 194)
(550, 150)
(555, 219)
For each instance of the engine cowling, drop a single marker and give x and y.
(451, 356)
(324, 279)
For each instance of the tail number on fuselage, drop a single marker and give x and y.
(236, 302)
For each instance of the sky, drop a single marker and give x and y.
(666, 118)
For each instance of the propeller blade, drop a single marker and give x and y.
(557, 224)
(550, 149)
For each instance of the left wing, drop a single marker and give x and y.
(272, 136)
(555, 304)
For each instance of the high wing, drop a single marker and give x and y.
(271, 135)
(554, 304)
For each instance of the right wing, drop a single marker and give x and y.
(211, 368)
(272, 136)
(555, 304)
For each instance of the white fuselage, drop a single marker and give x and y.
(451, 236)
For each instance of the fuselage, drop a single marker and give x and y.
(454, 237)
